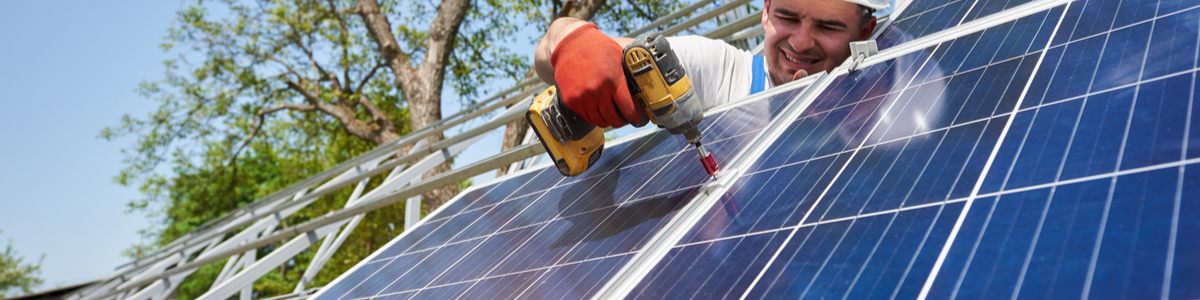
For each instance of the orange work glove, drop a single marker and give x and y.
(591, 79)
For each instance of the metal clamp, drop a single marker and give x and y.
(860, 51)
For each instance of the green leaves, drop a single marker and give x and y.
(16, 274)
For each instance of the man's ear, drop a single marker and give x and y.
(766, 8)
(867, 29)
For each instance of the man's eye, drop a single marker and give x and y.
(830, 28)
(787, 19)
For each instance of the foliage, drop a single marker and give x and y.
(16, 274)
(240, 108)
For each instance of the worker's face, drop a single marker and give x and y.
(810, 35)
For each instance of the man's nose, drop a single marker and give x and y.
(802, 40)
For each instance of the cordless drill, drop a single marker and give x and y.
(660, 87)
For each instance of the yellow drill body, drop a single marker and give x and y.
(659, 86)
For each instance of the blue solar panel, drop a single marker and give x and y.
(1086, 194)
(919, 177)
(921, 18)
(1001, 163)
(567, 234)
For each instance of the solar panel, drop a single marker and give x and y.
(565, 234)
(1085, 195)
(1051, 156)
(851, 181)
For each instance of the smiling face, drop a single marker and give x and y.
(810, 35)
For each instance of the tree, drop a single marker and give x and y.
(16, 273)
(261, 94)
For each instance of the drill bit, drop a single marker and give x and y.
(706, 158)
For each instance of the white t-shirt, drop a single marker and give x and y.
(720, 72)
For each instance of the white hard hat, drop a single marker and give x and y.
(872, 4)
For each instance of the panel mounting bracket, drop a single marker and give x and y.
(860, 51)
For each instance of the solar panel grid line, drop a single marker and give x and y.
(928, 232)
(817, 201)
(1058, 177)
(1046, 208)
(933, 273)
(491, 188)
(925, 166)
(1174, 233)
(1113, 185)
(912, 260)
(440, 210)
(1105, 91)
(963, 29)
(1119, 173)
(540, 223)
(453, 242)
(696, 294)
(837, 246)
(1150, 90)
(407, 232)
(739, 130)
(1126, 26)
(461, 258)
(1006, 31)
(861, 215)
(1040, 222)
(797, 227)
(472, 241)
(573, 247)
(566, 180)
(765, 95)
(487, 277)
(1089, 179)
(632, 272)
(1166, 284)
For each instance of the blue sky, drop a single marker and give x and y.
(68, 69)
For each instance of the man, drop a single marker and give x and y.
(801, 37)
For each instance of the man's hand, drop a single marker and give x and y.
(591, 80)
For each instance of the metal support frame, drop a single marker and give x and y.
(156, 275)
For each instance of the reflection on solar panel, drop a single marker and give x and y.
(1051, 155)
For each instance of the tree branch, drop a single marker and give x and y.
(367, 78)
(285, 66)
(638, 9)
(260, 118)
(381, 32)
(344, 41)
(378, 114)
(298, 41)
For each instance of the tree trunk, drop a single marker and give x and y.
(515, 131)
(421, 85)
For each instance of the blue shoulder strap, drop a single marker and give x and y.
(758, 77)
